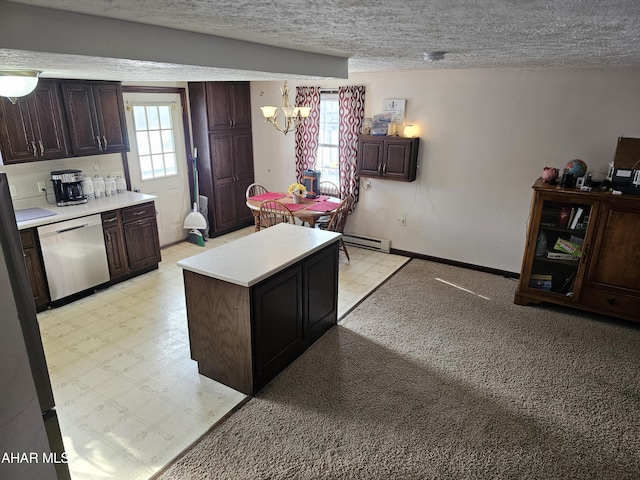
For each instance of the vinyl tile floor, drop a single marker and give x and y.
(128, 396)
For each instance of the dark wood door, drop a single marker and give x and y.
(320, 293)
(141, 240)
(34, 127)
(241, 105)
(49, 127)
(369, 157)
(35, 269)
(114, 242)
(110, 114)
(16, 133)
(243, 168)
(225, 205)
(218, 106)
(277, 324)
(82, 122)
(397, 155)
(613, 277)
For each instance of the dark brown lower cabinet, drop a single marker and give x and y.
(114, 242)
(244, 336)
(141, 236)
(35, 268)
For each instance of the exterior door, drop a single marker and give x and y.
(158, 161)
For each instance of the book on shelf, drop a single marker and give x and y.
(566, 246)
(541, 281)
(554, 255)
(576, 217)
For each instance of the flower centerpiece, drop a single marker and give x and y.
(297, 191)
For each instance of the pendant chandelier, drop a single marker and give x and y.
(293, 116)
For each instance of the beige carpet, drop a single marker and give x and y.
(425, 380)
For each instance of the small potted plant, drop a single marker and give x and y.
(297, 191)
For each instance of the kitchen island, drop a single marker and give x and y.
(255, 304)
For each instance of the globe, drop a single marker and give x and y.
(576, 167)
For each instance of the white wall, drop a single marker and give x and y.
(485, 137)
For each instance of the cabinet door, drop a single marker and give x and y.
(218, 106)
(320, 293)
(243, 168)
(613, 278)
(369, 157)
(141, 239)
(111, 119)
(397, 162)
(48, 121)
(555, 256)
(225, 204)
(114, 242)
(35, 269)
(241, 105)
(16, 133)
(84, 133)
(276, 306)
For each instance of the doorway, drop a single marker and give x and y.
(157, 161)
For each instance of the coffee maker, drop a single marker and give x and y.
(67, 185)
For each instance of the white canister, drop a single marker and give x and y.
(110, 186)
(121, 184)
(88, 189)
(98, 187)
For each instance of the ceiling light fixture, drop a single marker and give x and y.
(14, 84)
(433, 56)
(293, 116)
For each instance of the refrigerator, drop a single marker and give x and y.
(31, 444)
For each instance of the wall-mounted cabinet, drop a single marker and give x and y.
(34, 128)
(583, 251)
(95, 117)
(390, 158)
(61, 119)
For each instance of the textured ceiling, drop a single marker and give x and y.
(374, 35)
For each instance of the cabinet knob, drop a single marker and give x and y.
(104, 141)
(34, 149)
(41, 147)
(99, 143)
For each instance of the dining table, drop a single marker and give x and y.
(309, 210)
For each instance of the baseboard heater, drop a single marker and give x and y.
(371, 243)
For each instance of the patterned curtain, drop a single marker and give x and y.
(308, 133)
(351, 104)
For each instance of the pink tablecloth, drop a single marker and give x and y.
(325, 206)
(267, 196)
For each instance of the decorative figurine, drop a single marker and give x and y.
(549, 174)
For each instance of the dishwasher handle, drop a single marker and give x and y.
(71, 228)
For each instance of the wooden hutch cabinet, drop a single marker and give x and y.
(583, 251)
(221, 119)
(95, 117)
(34, 127)
(392, 158)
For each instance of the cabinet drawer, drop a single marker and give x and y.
(611, 301)
(138, 212)
(109, 218)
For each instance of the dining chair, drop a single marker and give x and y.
(329, 188)
(252, 190)
(273, 212)
(339, 219)
(255, 189)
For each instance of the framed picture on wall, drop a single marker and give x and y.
(394, 106)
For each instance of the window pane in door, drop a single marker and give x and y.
(140, 118)
(153, 118)
(165, 117)
(155, 141)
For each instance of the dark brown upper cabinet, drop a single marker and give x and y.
(34, 127)
(95, 117)
(391, 158)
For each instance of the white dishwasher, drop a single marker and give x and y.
(74, 255)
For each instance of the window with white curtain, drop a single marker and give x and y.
(328, 154)
(155, 141)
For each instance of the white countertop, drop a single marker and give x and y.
(69, 212)
(257, 256)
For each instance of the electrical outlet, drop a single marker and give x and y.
(41, 187)
(402, 220)
(13, 191)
